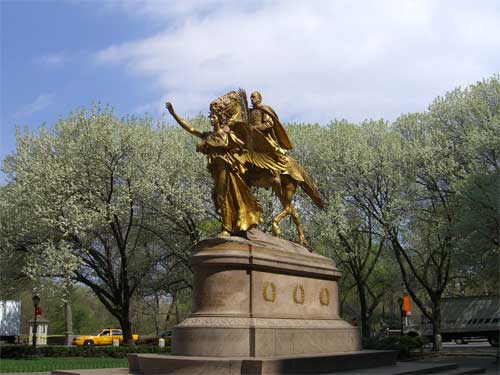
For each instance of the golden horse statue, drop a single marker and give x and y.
(248, 147)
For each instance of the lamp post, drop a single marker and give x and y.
(36, 300)
(400, 301)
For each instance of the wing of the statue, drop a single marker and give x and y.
(240, 128)
(261, 151)
(265, 161)
(254, 140)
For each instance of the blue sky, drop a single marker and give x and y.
(313, 61)
(48, 67)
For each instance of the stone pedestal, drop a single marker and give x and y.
(261, 298)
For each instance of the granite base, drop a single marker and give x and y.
(149, 364)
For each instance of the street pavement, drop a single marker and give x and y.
(472, 348)
(489, 363)
(475, 354)
(476, 344)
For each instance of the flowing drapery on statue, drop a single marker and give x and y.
(249, 148)
(233, 199)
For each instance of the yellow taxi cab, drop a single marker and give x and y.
(104, 337)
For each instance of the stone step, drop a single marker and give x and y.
(398, 369)
(306, 364)
(431, 368)
(410, 368)
(467, 371)
(405, 368)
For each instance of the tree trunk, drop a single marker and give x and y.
(69, 322)
(126, 325)
(177, 313)
(170, 309)
(436, 323)
(365, 322)
(157, 314)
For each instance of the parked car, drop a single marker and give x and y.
(104, 337)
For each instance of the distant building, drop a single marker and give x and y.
(10, 320)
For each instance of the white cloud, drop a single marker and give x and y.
(41, 102)
(313, 61)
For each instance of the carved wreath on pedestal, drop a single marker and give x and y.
(299, 295)
(324, 297)
(269, 295)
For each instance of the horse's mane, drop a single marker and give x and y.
(231, 107)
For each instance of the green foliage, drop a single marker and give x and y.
(37, 365)
(89, 315)
(184, 304)
(476, 228)
(28, 351)
(405, 345)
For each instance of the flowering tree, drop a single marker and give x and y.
(467, 124)
(105, 202)
(343, 158)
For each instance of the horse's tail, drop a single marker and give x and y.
(309, 188)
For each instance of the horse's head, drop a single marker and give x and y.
(230, 108)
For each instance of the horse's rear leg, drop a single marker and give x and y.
(298, 224)
(285, 192)
(276, 220)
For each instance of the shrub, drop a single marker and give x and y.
(403, 344)
(56, 340)
(153, 340)
(28, 351)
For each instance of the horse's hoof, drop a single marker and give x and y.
(276, 230)
(224, 233)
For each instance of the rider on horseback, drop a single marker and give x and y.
(249, 148)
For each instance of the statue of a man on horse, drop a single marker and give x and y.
(249, 147)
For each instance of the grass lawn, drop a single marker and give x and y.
(59, 363)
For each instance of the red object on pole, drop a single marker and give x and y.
(38, 310)
(406, 305)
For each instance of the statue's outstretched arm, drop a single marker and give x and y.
(186, 125)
